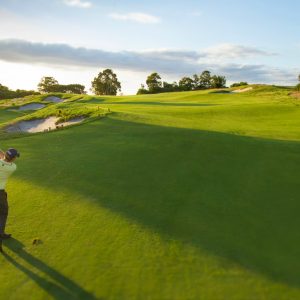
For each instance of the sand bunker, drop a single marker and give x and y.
(72, 121)
(53, 99)
(40, 125)
(32, 106)
(243, 90)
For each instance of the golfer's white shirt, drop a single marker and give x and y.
(6, 169)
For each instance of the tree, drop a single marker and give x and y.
(218, 82)
(175, 86)
(51, 85)
(142, 90)
(168, 87)
(205, 80)
(106, 83)
(6, 93)
(77, 88)
(22, 93)
(46, 84)
(298, 85)
(202, 81)
(196, 82)
(154, 83)
(186, 84)
(72, 88)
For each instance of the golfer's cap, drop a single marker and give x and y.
(11, 152)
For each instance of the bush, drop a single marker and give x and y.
(239, 84)
(297, 88)
(142, 91)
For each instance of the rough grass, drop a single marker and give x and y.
(172, 196)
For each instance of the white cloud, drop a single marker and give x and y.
(78, 3)
(173, 63)
(135, 17)
(230, 51)
(169, 54)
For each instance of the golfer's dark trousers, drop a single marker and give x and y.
(3, 210)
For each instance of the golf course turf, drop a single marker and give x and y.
(191, 195)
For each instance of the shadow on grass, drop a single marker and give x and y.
(235, 197)
(221, 92)
(93, 100)
(56, 284)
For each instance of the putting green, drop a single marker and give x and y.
(174, 196)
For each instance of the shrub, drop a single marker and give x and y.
(239, 84)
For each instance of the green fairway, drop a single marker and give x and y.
(190, 195)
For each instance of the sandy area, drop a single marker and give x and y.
(40, 125)
(72, 121)
(32, 106)
(53, 99)
(243, 90)
(296, 95)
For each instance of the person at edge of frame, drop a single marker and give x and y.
(7, 167)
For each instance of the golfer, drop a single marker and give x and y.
(7, 167)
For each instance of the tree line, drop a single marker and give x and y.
(6, 93)
(107, 83)
(197, 82)
(51, 85)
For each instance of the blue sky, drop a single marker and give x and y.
(73, 40)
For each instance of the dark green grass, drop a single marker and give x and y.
(9, 114)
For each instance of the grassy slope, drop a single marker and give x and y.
(176, 196)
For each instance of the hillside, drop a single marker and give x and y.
(190, 195)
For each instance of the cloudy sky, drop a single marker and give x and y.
(72, 40)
